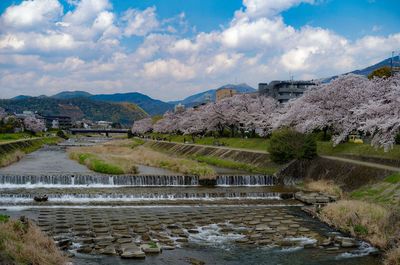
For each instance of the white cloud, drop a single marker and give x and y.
(168, 69)
(32, 13)
(140, 23)
(258, 8)
(84, 49)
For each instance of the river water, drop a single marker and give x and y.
(242, 220)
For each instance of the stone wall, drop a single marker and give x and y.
(349, 176)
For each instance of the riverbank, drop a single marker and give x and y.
(11, 152)
(370, 213)
(22, 242)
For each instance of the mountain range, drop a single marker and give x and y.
(125, 107)
(77, 108)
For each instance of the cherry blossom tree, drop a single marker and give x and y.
(328, 106)
(142, 126)
(3, 114)
(34, 124)
(380, 116)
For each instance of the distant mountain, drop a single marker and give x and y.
(77, 109)
(366, 71)
(201, 97)
(21, 97)
(72, 94)
(148, 104)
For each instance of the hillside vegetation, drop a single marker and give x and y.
(77, 108)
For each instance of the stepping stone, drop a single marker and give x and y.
(151, 248)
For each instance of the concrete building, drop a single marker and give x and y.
(58, 122)
(284, 91)
(224, 93)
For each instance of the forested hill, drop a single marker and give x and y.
(77, 108)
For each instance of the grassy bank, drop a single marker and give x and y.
(326, 148)
(260, 144)
(9, 137)
(93, 162)
(386, 192)
(371, 212)
(24, 243)
(126, 154)
(234, 165)
(249, 143)
(15, 152)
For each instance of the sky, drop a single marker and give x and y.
(170, 49)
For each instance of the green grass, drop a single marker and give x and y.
(234, 165)
(259, 144)
(9, 137)
(393, 179)
(96, 164)
(326, 148)
(386, 192)
(4, 218)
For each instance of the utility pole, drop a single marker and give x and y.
(391, 63)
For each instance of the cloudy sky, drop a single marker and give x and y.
(169, 49)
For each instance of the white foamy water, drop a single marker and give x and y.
(83, 198)
(212, 235)
(363, 250)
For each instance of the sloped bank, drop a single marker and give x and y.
(257, 159)
(14, 151)
(347, 175)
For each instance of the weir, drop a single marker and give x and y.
(259, 180)
(82, 198)
(129, 180)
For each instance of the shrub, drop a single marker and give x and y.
(287, 144)
(397, 138)
(61, 134)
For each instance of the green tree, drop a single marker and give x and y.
(384, 71)
(287, 144)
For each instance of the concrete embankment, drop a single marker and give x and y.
(13, 151)
(259, 159)
(347, 174)
(17, 145)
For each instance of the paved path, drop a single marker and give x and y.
(362, 163)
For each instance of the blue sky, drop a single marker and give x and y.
(170, 49)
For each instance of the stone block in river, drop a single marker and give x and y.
(151, 248)
(108, 250)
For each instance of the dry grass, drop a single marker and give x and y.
(26, 244)
(362, 219)
(11, 158)
(324, 186)
(392, 257)
(124, 154)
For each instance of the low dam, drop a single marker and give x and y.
(7, 180)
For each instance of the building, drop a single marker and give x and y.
(224, 93)
(103, 125)
(179, 108)
(284, 91)
(58, 122)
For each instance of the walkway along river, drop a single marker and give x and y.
(237, 219)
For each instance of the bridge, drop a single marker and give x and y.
(106, 131)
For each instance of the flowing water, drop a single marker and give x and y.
(234, 219)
